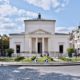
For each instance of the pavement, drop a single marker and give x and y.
(39, 64)
(39, 73)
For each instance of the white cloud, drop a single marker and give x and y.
(11, 17)
(5, 1)
(64, 29)
(40, 3)
(47, 4)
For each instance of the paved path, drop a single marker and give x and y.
(39, 64)
(40, 73)
(70, 70)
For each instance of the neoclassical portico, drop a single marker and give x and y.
(39, 45)
(39, 41)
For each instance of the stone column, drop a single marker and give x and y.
(48, 45)
(24, 42)
(36, 45)
(43, 45)
(30, 45)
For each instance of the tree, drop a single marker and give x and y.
(5, 39)
(70, 51)
(4, 44)
(9, 51)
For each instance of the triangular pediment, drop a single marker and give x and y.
(39, 31)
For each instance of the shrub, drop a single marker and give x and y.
(70, 51)
(19, 58)
(44, 58)
(9, 51)
(27, 60)
(50, 58)
(41, 55)
(33, 58)
(65, 59)
(6, 59)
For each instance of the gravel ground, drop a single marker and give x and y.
(40, 73)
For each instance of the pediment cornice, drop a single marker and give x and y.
(40, 31)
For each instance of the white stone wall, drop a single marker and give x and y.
(48, 26)
(53, 43)
(61, 40)
(27, 44)
(17, 40)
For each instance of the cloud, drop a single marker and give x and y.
(47, 4)
(5, 1)
(7, 10)
(11, 17)
(64, 29)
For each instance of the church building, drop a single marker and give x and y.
(39, 37)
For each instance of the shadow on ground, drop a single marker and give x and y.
(14, 73)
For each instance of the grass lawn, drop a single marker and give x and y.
(6, 59)
(76, 59)
(27, 60)
(73, 59)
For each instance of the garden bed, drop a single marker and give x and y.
(24, 59)
(73, 59)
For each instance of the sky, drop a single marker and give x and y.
(14, 12)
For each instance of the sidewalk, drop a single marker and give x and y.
(39, 64)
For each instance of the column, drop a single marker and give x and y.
(48, 45)
(36, 45)
(30, 45)
(43, 45)
(24, 42)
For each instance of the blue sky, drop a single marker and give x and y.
(13, 12)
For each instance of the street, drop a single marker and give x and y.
(40, 73)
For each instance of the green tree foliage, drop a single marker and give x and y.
(5, 40)
(4, 43)
(70, 51)
(9, 52)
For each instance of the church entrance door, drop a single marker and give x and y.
(17, 48)
(39, 47)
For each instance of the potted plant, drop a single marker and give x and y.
(70, 51)
(9, 52)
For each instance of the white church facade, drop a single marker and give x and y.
(39, 37)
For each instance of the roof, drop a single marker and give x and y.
(61, 34)
(34, 31)
(17, 33)
(40, 20)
